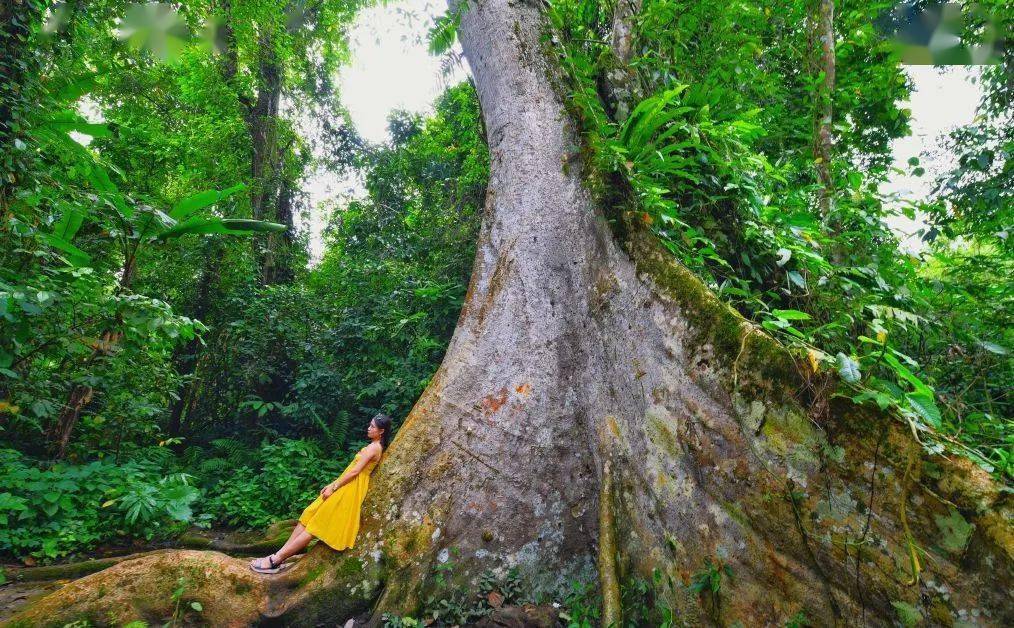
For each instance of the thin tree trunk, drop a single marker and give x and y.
(822, 25)
(620, 80)
(269, 198)
(187, 358)
(262, 120)
(276, 265)
(577, 346)
(273, 194)
(80, 395)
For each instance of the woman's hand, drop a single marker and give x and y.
(327, 491)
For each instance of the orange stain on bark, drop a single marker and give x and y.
(492, 403)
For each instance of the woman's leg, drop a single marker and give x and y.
(293, 546)
(297, 533)
(296, 530)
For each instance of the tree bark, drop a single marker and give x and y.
(276, 262)
(262, 120)
(187, 357)
(582, 342)
(822, 25)
(271, 196)
(619, 83)
(80, 395)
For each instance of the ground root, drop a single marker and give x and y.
(233, 543)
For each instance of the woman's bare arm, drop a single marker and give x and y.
(372, 451)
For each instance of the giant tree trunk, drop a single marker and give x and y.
(600, 414)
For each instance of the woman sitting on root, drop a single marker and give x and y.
(334, 516)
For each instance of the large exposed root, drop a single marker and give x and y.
(242, 544)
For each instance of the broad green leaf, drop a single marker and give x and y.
(242, 225)
(69, 120)
(152, 221)
(882, 400)
(233, 226)
(797, 279)
(192, 204)
(925, 407)
(848, 369)
(855, 179)
(100, 180)
(902, 371)
(639, 126)
(791, 315)
(92, 129)
(74, 255)
(77, 87)
(70, 221)
(992, 347)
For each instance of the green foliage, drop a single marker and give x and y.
(451, 605)
(444, 32)
(397, 621)
(712, 135)
(709, 579)
(202, 389)
(51, 512)
(908, 615)
(179, 608)
(366, 328)
(112, 285)
(254, 489)
(582, 605)
(73, 320)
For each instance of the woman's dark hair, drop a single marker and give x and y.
(383, 422)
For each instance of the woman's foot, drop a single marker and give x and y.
(266, 565)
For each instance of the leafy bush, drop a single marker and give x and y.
(48, 513)
(275, 482)
(51, 512)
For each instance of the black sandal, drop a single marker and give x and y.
(266, 570)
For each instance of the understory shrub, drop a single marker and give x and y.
(50, 512)
(245, 487)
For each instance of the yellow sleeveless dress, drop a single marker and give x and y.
(335, 520)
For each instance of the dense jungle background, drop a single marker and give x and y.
(172, 357)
